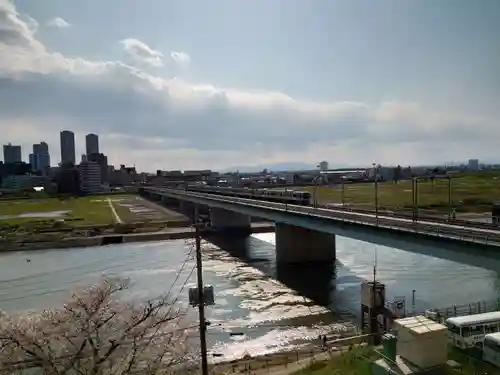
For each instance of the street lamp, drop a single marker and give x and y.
(343, 192)
(449, 198)
(375, 169)
(316, 188)
(414, 191)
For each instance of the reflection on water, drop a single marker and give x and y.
(260, 307)
(314, 281)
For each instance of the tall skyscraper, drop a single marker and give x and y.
(92, 143)
(12, 153)
(102, 161)
(41, 148)
(40, 158)
(67, 147)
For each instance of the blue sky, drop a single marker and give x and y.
(210, 84)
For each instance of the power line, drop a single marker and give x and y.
(155, 334)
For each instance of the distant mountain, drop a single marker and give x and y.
(291, 166)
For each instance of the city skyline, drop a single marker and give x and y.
(91, 142)
(165, 85)
(290, 165)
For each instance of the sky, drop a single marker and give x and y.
(195, 84)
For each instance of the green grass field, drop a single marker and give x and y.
(158, 213)
(81, 210)
(469, 193)
(355, 362)
(359, 362)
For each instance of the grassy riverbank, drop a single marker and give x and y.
(355, 362)
(469, 193)
(42, 223)
(85, 210)
(82, 211)
(360, 361)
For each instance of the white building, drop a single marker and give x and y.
(323, 166)
(473, 165)
(90, 177)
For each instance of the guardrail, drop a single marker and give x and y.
(408, 215)
(398, 214)
(469, 234)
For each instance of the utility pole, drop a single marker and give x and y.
(343, 194)
(449, 198)
(198, 225)
(413, 200)
(374, 330)
(316, 190)
(417, 203)
(376, 197)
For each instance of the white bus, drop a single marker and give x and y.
(469, 331)
(491, 349)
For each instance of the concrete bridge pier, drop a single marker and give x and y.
(187, 208)
(154, 197)
(301, 245)
(169, 202)
(229, 222)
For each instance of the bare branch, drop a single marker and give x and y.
(96, 333)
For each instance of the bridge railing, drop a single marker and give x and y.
(470, 234)
(419, 216)
(405, 214)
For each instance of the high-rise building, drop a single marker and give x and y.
(323, 166)
(41, 148)
(90, 177)
(92, 143)
(12, 153)
(40, 158)
(67, 147)
(102, 161)
(67, 179)
(473, 165)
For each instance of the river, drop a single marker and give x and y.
(273, 308)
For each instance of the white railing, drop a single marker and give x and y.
(474, 235)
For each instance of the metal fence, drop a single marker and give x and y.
(465, 233)
(291, 360)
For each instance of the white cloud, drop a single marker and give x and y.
(181, 58)
(141, 52)
(158, 122)
(58, 23)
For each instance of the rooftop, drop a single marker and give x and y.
(420, 325)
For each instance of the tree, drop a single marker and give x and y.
(96, 333)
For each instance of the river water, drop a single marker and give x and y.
(259, 307)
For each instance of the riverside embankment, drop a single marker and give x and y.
(101, 240)
(69, 222)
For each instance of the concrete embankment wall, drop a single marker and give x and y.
(172, 234)
(97, 241)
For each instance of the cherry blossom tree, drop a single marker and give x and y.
(96, 332)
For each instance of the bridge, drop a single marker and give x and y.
(306, 234)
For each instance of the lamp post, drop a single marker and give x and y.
(449, 198)
(343, 192)
(375, 169)
(414, 190)
(316, 188)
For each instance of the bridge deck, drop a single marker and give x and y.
(426, 227)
